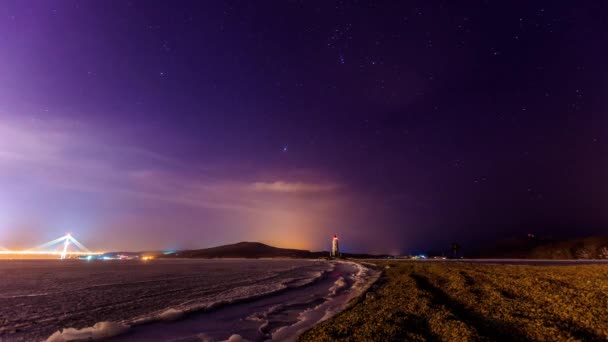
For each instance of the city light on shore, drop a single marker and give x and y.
(50, 249)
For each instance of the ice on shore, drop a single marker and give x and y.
(233, 338)
(338, 286)
(236, 338)
(171, 315)
(99, 331)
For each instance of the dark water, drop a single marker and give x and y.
(40, 297)
(279, 317)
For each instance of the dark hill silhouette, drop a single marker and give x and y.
(255, 250)
(247, 250)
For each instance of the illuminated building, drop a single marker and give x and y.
(335, 248)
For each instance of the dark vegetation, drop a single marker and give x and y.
(544, 248)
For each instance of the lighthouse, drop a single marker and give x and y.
(335, 249)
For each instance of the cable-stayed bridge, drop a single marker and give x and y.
(63, 247)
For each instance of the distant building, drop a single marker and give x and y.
(335, 248)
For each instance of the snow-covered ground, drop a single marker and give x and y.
(91, 300)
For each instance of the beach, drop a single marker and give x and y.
(464, 301)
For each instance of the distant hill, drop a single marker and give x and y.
(583, 248)
(247, 250)
(255, 250)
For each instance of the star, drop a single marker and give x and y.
(285, 148)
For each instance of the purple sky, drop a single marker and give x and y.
(138, 125)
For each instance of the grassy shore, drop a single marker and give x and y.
(464, 302)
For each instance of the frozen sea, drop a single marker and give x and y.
(172, 300)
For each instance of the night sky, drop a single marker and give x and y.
(400, 126)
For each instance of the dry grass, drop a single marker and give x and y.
(465, 302)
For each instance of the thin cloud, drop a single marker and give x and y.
(293, 187)
(47, 155)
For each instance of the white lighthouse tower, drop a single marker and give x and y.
(335, 249)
